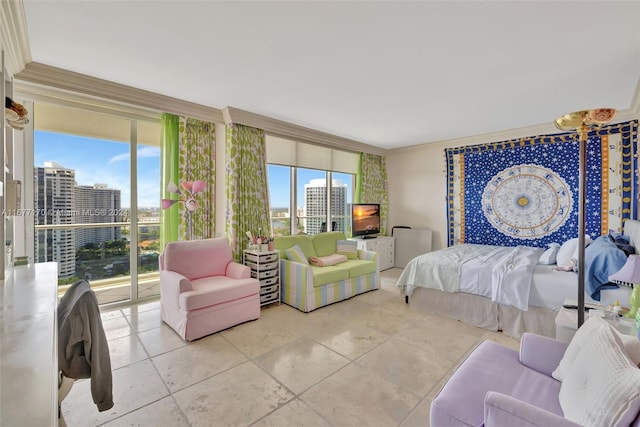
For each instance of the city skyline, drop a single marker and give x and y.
(99, 161)
(279, 177)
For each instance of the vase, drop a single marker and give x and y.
(634, 302)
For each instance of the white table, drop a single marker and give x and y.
(28, 346)
(567, 321)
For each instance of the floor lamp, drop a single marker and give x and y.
(583, 122)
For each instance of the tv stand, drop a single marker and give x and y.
(381, 244)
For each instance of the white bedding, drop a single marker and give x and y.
(503, 274)
(551, 287)
(465, 270)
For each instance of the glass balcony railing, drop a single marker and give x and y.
(101, 254)
(310, 224)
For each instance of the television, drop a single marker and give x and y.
(365, 220)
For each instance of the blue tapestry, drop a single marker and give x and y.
(525, 191)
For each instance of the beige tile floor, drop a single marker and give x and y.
(369, 361)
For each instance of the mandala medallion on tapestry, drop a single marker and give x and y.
(527, 201)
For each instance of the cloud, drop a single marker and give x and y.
(145, 152)
(118, 158)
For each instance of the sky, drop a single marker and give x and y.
(98, 161)
(279, 178)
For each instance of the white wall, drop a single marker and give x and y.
(417, 182)
(417, 189)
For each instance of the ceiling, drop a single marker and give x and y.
(389, 74)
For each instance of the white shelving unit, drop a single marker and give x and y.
(265, 266)
(383, 245)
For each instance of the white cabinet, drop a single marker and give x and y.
(265, 266)
(383, 245)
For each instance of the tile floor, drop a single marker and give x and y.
(368, 361)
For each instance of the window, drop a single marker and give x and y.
(303, 170)
(96, 211)
(310, 213)
(279, 179)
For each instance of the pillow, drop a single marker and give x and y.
(294, 253)
(569, 250)
(549, 256)
(583, 335)
(602, 387)
(349, 248)
(328, 260)
(622, 242)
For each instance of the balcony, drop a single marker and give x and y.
(101, 254)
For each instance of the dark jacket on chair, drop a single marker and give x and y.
(83, 351)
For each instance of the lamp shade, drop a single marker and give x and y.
(630, 271)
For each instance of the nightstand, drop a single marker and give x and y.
(567, 321)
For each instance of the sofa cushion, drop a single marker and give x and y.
(285, 242)
(330, 274)
(602, 386)
(491, 367)
(360, 267)
(348, 248)
(295, 253)
(327, 243)
(583, 335)
(210, 291)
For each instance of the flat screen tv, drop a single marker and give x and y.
(365, 220)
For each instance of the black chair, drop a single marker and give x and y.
(334, 226)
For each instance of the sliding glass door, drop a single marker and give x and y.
(96, 200)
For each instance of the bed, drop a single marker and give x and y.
(474, 284)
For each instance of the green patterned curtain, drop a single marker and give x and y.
(371, 184)
(196, 175)
(246, 186)
(168, 174)
(188, 179)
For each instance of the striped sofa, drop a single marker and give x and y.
(308, 287)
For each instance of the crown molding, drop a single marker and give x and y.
(50, 95)
(58, 78)
(14, 38)
(298, 133)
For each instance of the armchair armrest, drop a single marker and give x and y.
(295, 275)
(237, 271)
(172, 284)
(502, 410)
(367, 255)
(540, 353)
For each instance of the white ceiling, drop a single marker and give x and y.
(389, 74)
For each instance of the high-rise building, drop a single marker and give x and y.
(315, 206)
(54, 205)
(97, 204)
(58, 201)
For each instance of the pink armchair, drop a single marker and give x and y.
(203, 291)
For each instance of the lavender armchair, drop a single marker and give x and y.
(497, 386)
(202, 290)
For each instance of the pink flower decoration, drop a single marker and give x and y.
(193, 188)
(198, 186)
